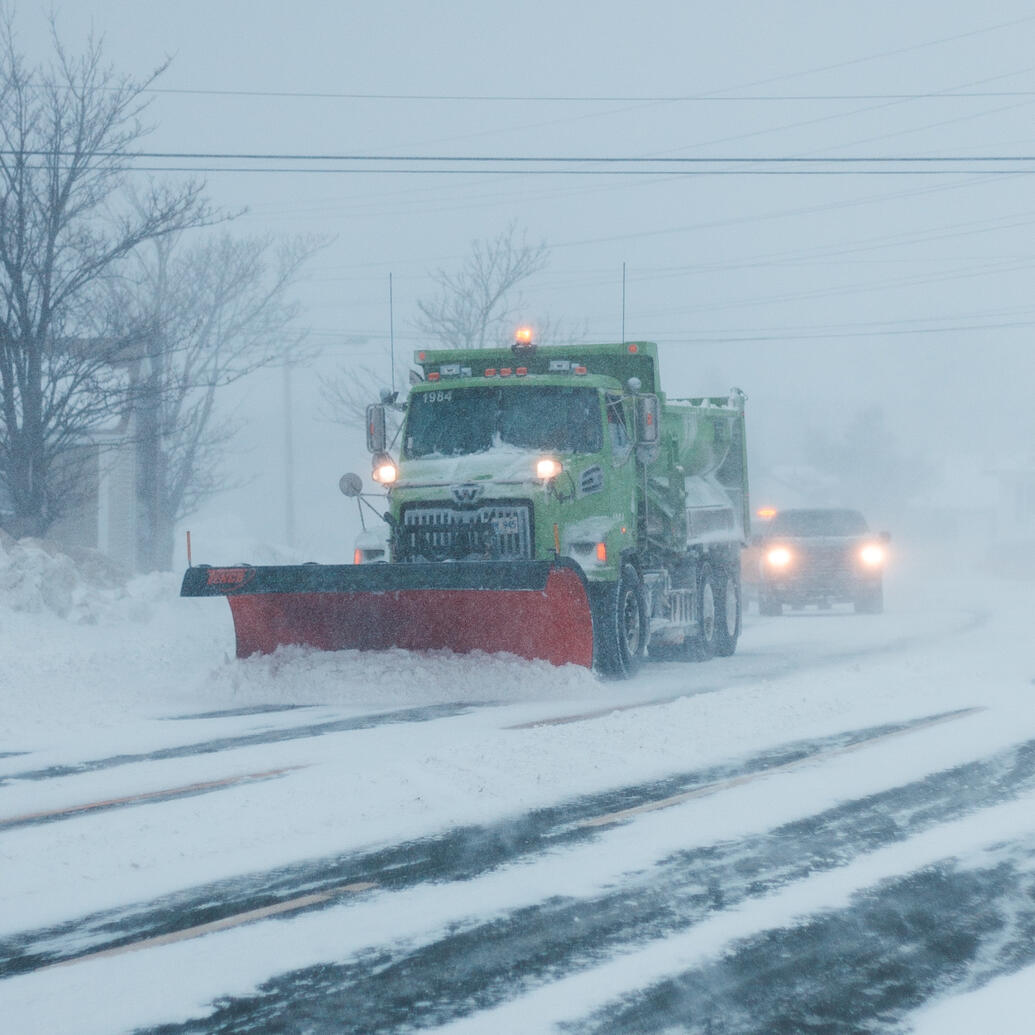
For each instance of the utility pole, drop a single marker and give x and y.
(289, 455)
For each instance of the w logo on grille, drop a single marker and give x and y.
(466, 493)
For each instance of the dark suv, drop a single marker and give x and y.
(821, 556)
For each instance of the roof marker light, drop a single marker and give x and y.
(434, 375)
(490, 371)
(580, 370)
(521, 371)
(634, 348)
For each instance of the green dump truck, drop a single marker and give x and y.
(552, 502)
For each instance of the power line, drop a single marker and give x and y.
(721, 339)
(245, 156)
(586, 172)
(597, 99)
(709, 97)
(568, 165)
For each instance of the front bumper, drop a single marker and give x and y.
(805, 587)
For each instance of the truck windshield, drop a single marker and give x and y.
(458, 421)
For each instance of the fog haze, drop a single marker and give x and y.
(896, 291)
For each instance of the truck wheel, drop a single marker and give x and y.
(621, 626)
(870, 601)
(727, 613)
(705, 645)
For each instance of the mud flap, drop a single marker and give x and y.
(534, 609)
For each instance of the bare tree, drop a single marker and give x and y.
(476, 306)
(207, 316)
(67, 130)
(346, 396)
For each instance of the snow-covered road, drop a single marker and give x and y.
(833, 829)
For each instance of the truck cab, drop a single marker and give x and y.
(572, 452)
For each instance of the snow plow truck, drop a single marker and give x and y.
(551, 502)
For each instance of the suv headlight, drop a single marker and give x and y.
(872, 555)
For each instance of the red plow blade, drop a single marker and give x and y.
(534, 609)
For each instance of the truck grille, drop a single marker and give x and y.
(493, 531)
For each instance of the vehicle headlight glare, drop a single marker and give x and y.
(548, 468)
(872, 555)
(779, 557)
(385, 473)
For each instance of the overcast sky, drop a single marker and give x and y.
(820, 290)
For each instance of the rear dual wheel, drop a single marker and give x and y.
(729, 611)
(719, 614)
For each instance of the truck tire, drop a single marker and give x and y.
(728, 609)
(705, 645)
(621, 626)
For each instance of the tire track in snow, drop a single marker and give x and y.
(771, 665)
(459, 854)
(481, 964)
(863, 968)
(274, 736)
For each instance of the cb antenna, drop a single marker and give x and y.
(623, 303)
(391, 329)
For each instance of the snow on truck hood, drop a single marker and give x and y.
(501, 463)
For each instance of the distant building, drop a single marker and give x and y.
(104, 512)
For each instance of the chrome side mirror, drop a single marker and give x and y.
(377, 435)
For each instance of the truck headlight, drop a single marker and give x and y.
(779, 557)
(385, 470)
(548, 468)
(872, 555)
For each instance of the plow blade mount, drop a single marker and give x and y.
(535, 609)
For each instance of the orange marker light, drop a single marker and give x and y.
(357, 557)
(634, 348)
(602, 552)
(523, 336)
